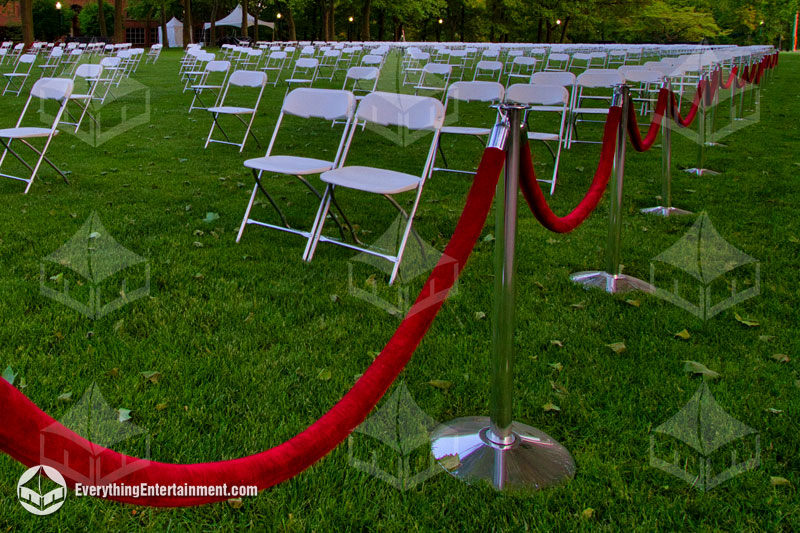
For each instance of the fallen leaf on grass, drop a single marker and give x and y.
(587, 513)
(683, 334)
(557, 366)
(617, 347)
(551, 407)
(151, 375)
(750, 323)
(773, 410)
(65, 397)
(765, 338)
(161, 406)
(9, 375)
(579, 305)
(210, 217)
(781, 357)
(334, 298)
(556, 342)
(324, 375)
(558, 387)
(236, 503)
(488, 238)
(440, 384)
(450, 462)
(694, 367)
(777, 481)
(634, 303)
(123, 414)
(480, 315)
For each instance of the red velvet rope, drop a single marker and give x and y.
(731, 78)
(742, 80)
(24, 424)
(643, 145)
(535, 197)
(689, 118)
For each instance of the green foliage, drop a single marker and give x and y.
(665, 22)
(48, 22)
(88, 18)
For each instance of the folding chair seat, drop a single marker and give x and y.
(248, 80)
(435, 78)
(413, 68)
(154, 53)
(71, 61)
(304, 72)
(312, 105)
(213, 81)
(464, 92)
(491, 70)
(276, 60)
(543, 99)
(327, 65)
(557, 62)
(594, 79)
(392, 110)
(56, 89)
(17, 78)
(522, 68)
(90, 74)
(362, 80)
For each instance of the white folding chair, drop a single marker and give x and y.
(18, 77)
(580, 60)
(327, 65)
(70, 61)
(52, 63)
(111, 76)
(304, 72)
(595, 79)
(154, 53)
(557, 62)
(58, 89)
(411, 113)
(244, 79)
(522, 68)
(198, 70)
(464, 92)
(543, 99)
(213, 80)
(435, 78)
(306, 103)
(276, 60)
(91, 75)
(412, 70)
(491, 69)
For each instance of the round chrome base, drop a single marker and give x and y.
(665, 211)
(611, 283)
(532, 461)
(718, 145)
(701, 171)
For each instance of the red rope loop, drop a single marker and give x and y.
(731, 78)
(536, 200)
(80, 460)
(690, 116)
(643, 145)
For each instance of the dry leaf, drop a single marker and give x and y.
(151, 376)
(551, 407)
(635, 303)
(324, 375)
(557, 366)
(236, 503)
(161, 406)
(765, 338)
(683, 334)
(750, 323)
(556, 342)
(480, 315)
(777, 481)
(587, 513)
(579, 305)
(65, 397)
(450, 462)
(694, 367)
(440, 384)
(560, 389)
(617, 347)
(773, 410)
(781, 357)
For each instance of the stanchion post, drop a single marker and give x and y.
(666, 209)
(612, 280)
(495, 449)
(699, 170)
(714, 105)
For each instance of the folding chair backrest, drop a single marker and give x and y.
(110, 62)
(90, 71)
(371, 59)
(306, 63)
(476, 91)
(544, 95)
(643, 76)
(52, 88)
(248, 78)
(600, 78)
(564, 79)
(438, 69)
(403, 110)
(27, 59)
(326, 104)
(218, 65)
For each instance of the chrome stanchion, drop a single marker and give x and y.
(714, 105)
(495, 449)
(666, 209)
(699, 170)
(612, 280)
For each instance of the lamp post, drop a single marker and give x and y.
(350, 28)
(439, 30)
(60, 18)
(760, 31)
(277, 27)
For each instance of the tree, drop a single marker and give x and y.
(663, 22)
(119, 22)
(89, 20)
(26, 16)
(48, 23)
(101, 18)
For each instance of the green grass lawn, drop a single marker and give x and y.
(252, 345)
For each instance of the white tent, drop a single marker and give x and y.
(174, 33)
(234, 18)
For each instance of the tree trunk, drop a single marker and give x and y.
(332, 30)
(147, 22)
(213, 29)
(549, 32)
(290, 25)
(539, 31)
(325, 26)
(244, 18)
(364, 36)
(381, 24)
(255, 26)
(187, 22)
(119, 22)
(564, 30)
(26, 15)
(165, 41)
(101, 17)
(463, 38)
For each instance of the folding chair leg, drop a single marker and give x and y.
(319, 224)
